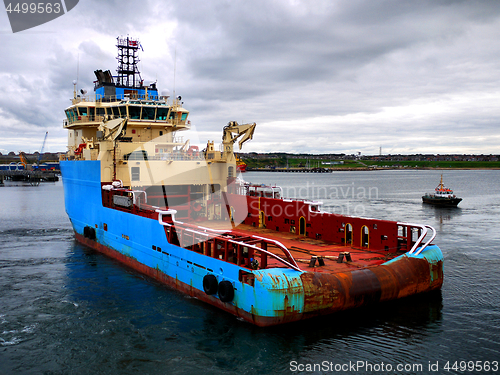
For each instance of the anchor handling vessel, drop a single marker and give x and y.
(136, 191)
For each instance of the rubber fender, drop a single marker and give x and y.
(89, 232)
(226, 291)
(210, 284)
(92, 235)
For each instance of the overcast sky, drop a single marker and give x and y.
(316, 76)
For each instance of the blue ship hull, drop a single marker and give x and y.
(278, 295)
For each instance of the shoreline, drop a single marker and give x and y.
(330, 170)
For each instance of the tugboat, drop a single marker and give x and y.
(241, 166)
(136, 191)
(443, 196)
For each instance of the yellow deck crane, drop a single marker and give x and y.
(244, 132)
(231, 133)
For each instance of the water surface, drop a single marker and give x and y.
(67, 309)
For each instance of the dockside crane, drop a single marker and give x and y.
(40, 153)
(24, 160)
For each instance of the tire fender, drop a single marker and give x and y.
(226, 291)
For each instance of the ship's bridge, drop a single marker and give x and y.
(86, 111)
(124, 114)
(125, 96)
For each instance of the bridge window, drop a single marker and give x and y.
(148, 113)
(122, 111)
(115, 112)
(82, 111)
(71, 115)
(134, 112)
(161, 114)
(184, 116)
(100, 111)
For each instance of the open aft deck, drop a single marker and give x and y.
(274, 249)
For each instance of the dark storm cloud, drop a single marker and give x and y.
(298, 60)
(299, 44)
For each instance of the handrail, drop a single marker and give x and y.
(295, 267)
(281, 246)
(219, 232)
(170, 212)
(434, 233)
(421, 238)
(277, 243)
(136, 193)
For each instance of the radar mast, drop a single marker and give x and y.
(128, 58)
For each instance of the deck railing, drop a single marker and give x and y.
(208, 233)
(417, 244)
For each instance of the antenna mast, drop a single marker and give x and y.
(128, 58)
(175, 66)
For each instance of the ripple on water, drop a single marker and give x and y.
(15, 336)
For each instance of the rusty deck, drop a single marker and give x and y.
(314, 255)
